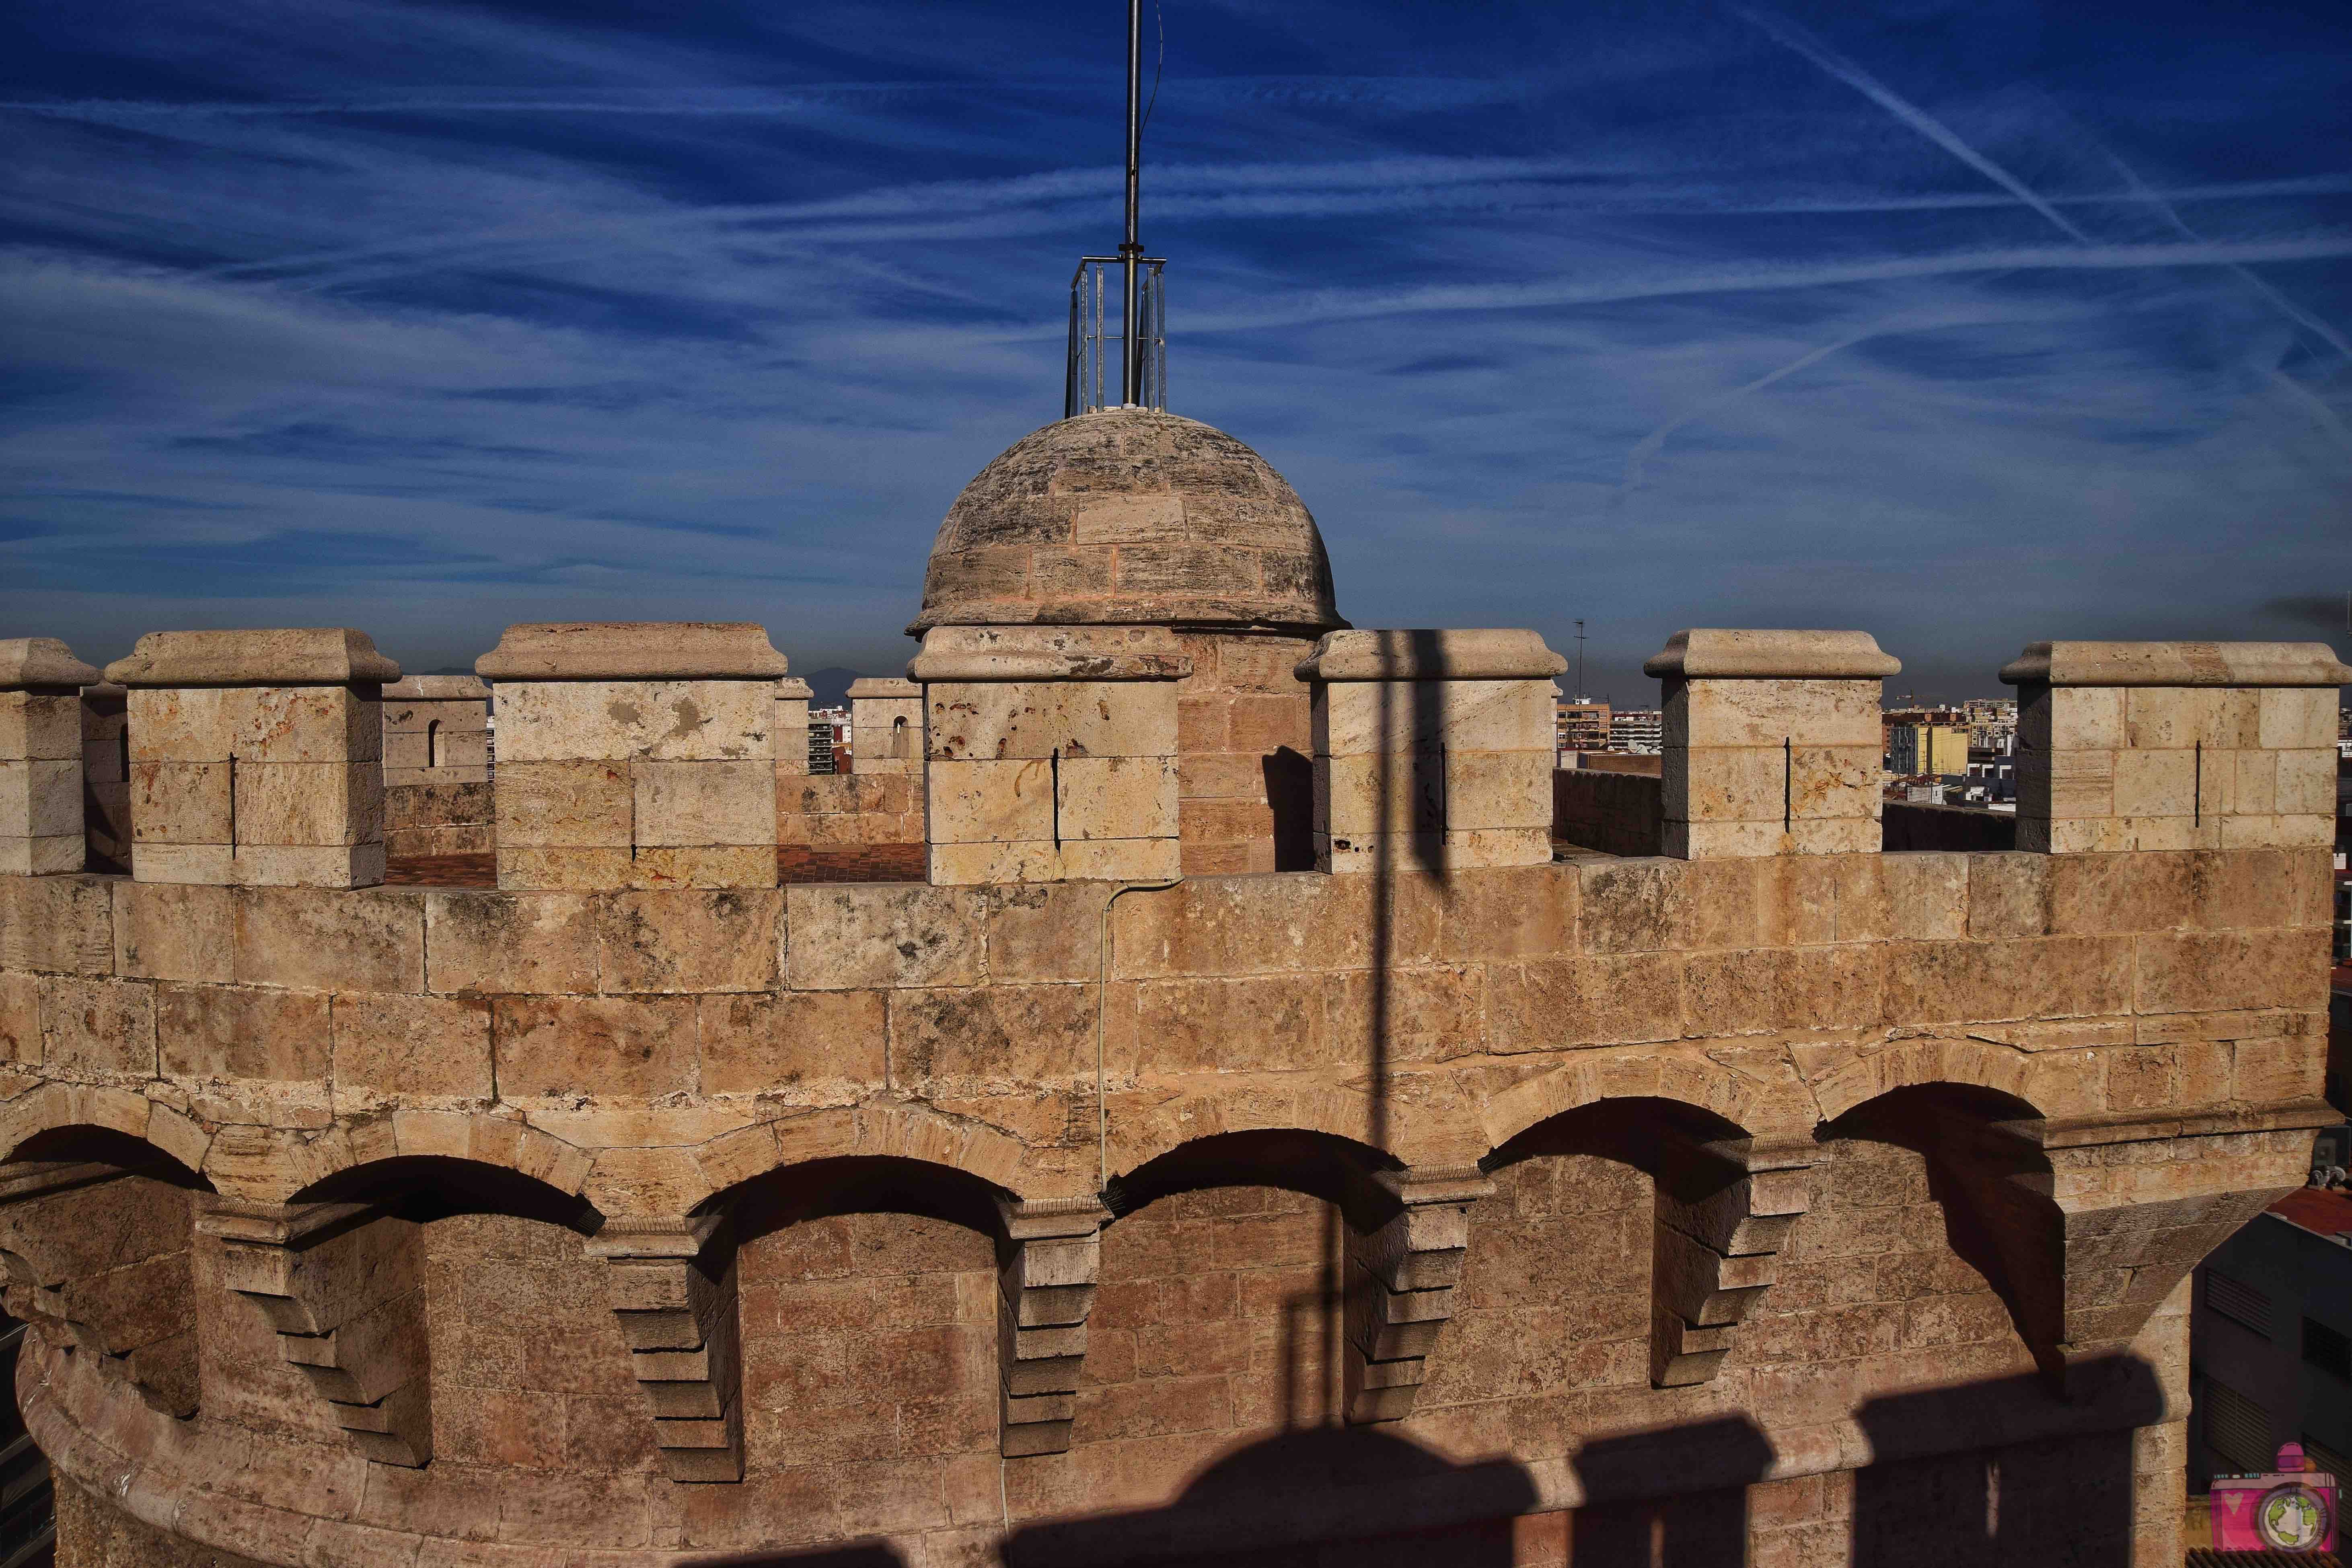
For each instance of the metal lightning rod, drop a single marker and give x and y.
(1131, 250)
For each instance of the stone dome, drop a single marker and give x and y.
(1128, 516)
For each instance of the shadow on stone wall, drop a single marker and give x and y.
(1626, 1522)
(1357, 1494)
(858, 1554)
(2068, 1501)
(1909, 825)
(1611, 812)
(1290, 794)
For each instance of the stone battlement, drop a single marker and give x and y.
(1255, 1131)
(345, 1117)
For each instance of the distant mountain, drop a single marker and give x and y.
(828, 688)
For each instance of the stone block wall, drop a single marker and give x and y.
(1765, 1201)
(256, 757)
(1432, 749)
(1053, 753)
(636, 755)
(436, 730)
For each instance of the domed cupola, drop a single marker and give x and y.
(1129, 516)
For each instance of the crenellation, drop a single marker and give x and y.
(636, 755)
(256, 757)
(1771, 742)
(41, 760)
(2174, 746)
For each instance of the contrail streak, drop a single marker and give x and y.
(1649, 446)
(1791, 36)
(2285, 306)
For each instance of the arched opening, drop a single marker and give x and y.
(899, 737)
(433, 744)
(1225, 1280)
(869, 1309)
(95, 1240)
(1930, 1169)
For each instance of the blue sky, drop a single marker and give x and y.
(1964, 324)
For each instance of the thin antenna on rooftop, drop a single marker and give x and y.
(1142, 334)
(1579, 663)
(1130, 250)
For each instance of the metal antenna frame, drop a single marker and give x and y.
(1141, 381)
(1130, 250)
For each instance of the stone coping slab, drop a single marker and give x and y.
(883, 686)
(792, 689)
(436, 689)
(1049, 652)
(1709, 653)
(38, 664)
(283, 655)
(1451, 654)
(633, 650)
(2176, 664)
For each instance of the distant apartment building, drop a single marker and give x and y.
(1992, 769)
(1927, 742)
(1580, 726)
(1989, 716)
(2271, 1334)
(1639, 730)
(829, 741)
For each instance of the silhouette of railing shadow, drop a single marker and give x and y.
(857, 1555)
(2065, 1500)
(1361, 1495)
(1675, 1498)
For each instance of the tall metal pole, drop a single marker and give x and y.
(1130, 370)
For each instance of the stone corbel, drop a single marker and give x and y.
(2093, 1221)
(1052, 1259)
(105, 1277)
(1723, 1211)
(672, 1285)
(342, 1284)
(1401, 1280)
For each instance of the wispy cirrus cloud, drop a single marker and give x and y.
(430, 317)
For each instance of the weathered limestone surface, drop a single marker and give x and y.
(436, 732)
(878, 796)
(341, 1286)
(1052, 753)
(1245, 737)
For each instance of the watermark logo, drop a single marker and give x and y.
(2293, 1509)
